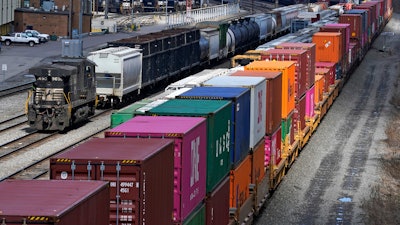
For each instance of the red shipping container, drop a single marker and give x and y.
(310, 113)
(299, 116)
(300, 57)
(144, 182)
(54, 202)
(257, 162)
(274, 96)
(273, 148)
(217, 204)
(342, 28)
(332, 71)
(325, 73)
(355, 21)
(311, 52)
(189, 134)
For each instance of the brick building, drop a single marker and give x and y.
(53, 17)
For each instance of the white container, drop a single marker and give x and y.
(257, 86)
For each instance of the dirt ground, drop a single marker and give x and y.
(383, 206)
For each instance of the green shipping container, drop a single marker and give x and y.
(126, 113)
(197, 217)
(219, 119)
(286, 128)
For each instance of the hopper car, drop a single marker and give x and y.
(246, 156)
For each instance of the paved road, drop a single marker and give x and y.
(15, 60)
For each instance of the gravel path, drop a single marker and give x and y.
(336, 170)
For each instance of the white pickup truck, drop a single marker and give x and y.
(19, 38)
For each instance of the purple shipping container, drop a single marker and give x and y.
(217, 204)
(189, 134)
(310, 103)
(54, 202)
(140, 172)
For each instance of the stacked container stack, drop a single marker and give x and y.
(287, 68)
(190, 156)
(356, 31)
(248, 171)
(310, 116)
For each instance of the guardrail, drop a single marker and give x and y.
(197, 15)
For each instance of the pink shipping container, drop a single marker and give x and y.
(310, 103)
(300, 57)
(217, 204)
(144, 181)
(299, 116)
(311, 52)
(331, 71)
(273, 148)
(189, 135)
(54, 202)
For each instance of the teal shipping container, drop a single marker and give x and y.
(126, 113)
(198, 216)
(219, 119)
(240, 126)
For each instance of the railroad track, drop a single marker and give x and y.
(11, 123)
(15, 89)
(20, 150)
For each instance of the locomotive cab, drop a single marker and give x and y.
(63, 94)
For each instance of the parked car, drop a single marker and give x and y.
(40, 36)
(19, 38)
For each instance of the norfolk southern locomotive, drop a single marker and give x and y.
(64, 93)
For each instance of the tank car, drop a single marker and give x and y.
(63, 94)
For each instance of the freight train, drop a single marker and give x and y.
(213, 154)
(202, 45)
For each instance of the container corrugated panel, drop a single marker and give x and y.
(240, 126)
(287, 68)
(144, 180)
(328, 46)
(311, 51)
(197, 217)
(332, 70)
(257, 162)
(299, 116)
(240, 179)
(274, 97)
(319, 89)
(126, 113)
(257, 103)
(217, 204)
(310, 103)
(54, 202)
(328, 77)
(300, 57)
(273, 148)
(219, 126)
(190, 154)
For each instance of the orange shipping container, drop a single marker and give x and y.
(287, 68)
(327, 76)
(257, 162)
(240, 178)
(319, 89)
(328, 46)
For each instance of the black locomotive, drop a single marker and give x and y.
(64, 93)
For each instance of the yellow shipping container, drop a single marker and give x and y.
(287, 68)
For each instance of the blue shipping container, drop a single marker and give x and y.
(240, 114)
